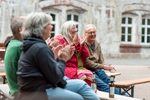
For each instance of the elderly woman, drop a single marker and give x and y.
(40, 75)
(68, 35)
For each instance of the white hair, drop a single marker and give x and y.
(89, 25)
(65, 30)
(35, 24)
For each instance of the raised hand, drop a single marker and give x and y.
(52, 43)
(56, 50)
(82, 40)
(75, 39)
(66, 53)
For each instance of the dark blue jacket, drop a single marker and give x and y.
(38, 70)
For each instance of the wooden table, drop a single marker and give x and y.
(2, 52)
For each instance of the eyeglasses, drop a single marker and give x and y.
(94, 32)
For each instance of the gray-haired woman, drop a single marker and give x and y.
(40, 75)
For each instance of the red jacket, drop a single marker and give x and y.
(72, 64)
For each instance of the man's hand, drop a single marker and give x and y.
(109, 68)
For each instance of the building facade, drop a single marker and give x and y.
(123, 26)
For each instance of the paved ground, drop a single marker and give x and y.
(129, 69)
(133, 69)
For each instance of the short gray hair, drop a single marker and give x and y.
(89, 25)
(16, 22)
(35, 24)
(65, 30)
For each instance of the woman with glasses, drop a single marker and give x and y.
(75, 66)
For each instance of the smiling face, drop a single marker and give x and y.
(47, 32)
(91, 34)
(73, 31)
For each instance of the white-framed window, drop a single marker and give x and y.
(145, 32)
(54, 23)
(126, 29)
(74, 17)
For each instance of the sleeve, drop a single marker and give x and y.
(84, 52)
(52, 69)
(60, 39)
(91, 64)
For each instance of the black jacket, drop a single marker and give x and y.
(38, 70)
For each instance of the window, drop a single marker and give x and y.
(127, 29)
(145, 32)
(53, 23)
(73, 17)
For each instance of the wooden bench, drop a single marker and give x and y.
(4, 92)
(105, 96)
(2, 52)
(129, 85)
(3, 75)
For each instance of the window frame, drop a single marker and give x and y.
(56, 23)
(127, 26)
(72, 18)
(146, 26)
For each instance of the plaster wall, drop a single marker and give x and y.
(105, 14)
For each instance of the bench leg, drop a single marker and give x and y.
(119, 90)
(4, 79)
(126, 90)
(132, 91)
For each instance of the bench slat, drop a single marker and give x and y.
(105, 96)
(2, 74)
(126, 84)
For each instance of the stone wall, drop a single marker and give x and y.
(105, 14)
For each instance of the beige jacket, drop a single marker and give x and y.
(95, 60)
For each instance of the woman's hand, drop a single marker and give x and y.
(66, 53)
(82, 41)
(52, 43)
(56, 50)
(75, 39)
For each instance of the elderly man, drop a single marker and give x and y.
(95, 62)
(12, 54)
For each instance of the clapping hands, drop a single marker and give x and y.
(61, 51)
(82, 40)
(66, 53)
(75, 39)
(52, 43)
